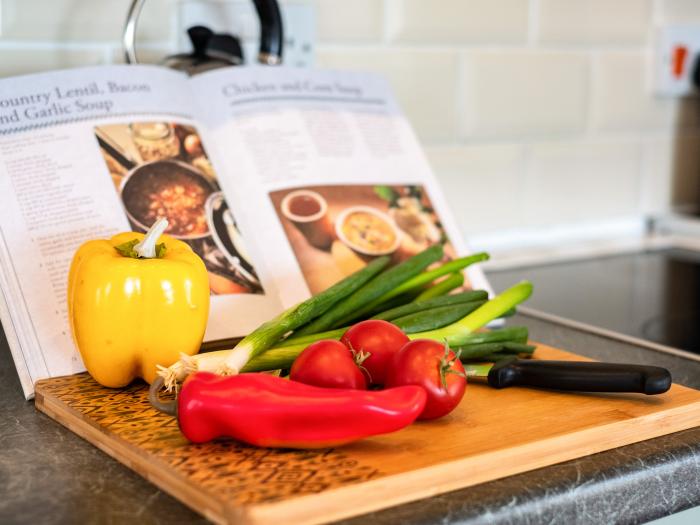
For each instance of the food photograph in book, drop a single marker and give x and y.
(336, 230)
(160, 169)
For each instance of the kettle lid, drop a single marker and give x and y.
(209, 51)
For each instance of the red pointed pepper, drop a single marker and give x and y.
(267, 411)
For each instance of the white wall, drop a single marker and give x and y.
(531, 111)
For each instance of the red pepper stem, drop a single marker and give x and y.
(147, 247)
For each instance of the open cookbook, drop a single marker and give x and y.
(283, 180)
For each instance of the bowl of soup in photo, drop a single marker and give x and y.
(367, 230)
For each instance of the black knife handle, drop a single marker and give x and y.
(580, 376)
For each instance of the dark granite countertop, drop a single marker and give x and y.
(49, 475)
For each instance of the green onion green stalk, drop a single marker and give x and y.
(459, 335)
(273, 330)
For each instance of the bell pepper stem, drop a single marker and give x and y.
(147, 247)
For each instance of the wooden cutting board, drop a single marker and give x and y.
(492, 434)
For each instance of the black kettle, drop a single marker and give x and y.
(214, 50)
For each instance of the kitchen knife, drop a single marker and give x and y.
(573, 375)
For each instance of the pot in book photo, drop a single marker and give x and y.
(172, 189)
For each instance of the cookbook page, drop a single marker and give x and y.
(326, 171)
(85, 154)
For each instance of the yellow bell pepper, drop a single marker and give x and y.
(133, 305)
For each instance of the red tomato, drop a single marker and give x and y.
(381, 340)
(427, 363)
(329, 364)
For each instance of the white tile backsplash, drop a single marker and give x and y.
(476, 178)
(424, 81)
(81, 20)
(622, 97)
(23, 61)
(531, 111)
(458, 21)
(581, 181)
(355, 21)
(679, 11)
(593, 21)
(657, 161)
(523, 93)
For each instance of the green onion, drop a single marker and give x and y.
(268, 333)
(456, 333)
(435, 317)
(395, 302)
(416, 283)
(445, 300)
(459, 333)
(275, 358)
(517, 334)
(428, 277)
(381, 284)
(443, 287)
(495, 357)
(417, 321)
(480, 351)
(512, 347)
(282, 357)
(509, 313)
(337, 333)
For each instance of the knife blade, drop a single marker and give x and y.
(573, 375)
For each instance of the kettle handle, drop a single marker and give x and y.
(271, 32)
(129, 34)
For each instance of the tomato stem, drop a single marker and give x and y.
(446, 366)
(359, 358)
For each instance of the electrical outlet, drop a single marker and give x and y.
(238, 17)
(677, 50)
